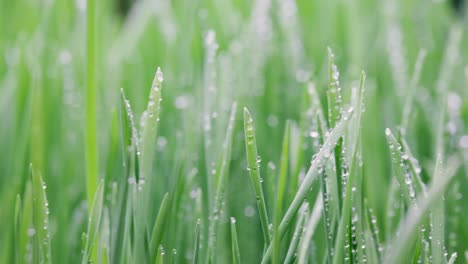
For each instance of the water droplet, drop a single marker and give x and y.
(249, 211)
(272, 121)
(387, 132)
(182, 101)
(159, 75)
(233, 220)
(131, 180)
(314, 134)
(31, 231)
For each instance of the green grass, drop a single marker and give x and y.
(327, 165)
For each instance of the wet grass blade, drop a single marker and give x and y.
(334, 115)
(310, 227)
(24, 231)
(399, 168)
(353, 177)
(196, 246)
(298, 230)
(437, 220)
(397, 250)
(320, 159)
(221, 174)
(234, 243)
(254, 171)
(40, 218)
(159, 227)
(280, 193)
(415, 169)
(149, 126)
(94, 223)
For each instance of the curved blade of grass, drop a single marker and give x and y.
(234, 243)
(309, 230)
(222, 172)
(397, 250)
(254, 171)
(320, 159)
(40, 217)
(94, 222)
(281, 188)
(159, 227)
(298, 230)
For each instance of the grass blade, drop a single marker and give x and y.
(234, 243)
(351, 180)
(320, 159)
(408, 229)
(196, 247)
(298, 230)
(309, 230)
(91, 146)
(40, 218)
(437, 220)
(281, 188)
(94, 223)
(254, 171)
(399, 168)
(149, 126)
(334, 115)
(222, 173)
(159, 227)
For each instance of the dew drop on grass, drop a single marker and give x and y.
(249, 211)
(271, 165)
(159, 75)
(387, 132)
(233, 220)
(182, 102)
(272, 121)
(313, 134)
(131, 180)
(31, 231)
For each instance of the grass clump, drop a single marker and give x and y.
(342, 166)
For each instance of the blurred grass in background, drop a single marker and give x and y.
(260, 54)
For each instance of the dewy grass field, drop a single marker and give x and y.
(233, 131)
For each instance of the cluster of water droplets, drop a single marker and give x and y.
(401, 158)
(335, 87)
